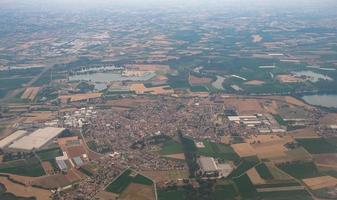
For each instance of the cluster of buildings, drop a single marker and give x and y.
(210, 167)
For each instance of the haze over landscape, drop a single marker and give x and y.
(168, 99)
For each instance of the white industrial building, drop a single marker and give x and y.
(11, 138)
(210, 167)
(37, 139)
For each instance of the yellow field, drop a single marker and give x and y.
(25, 191)
(255, 177)
(30, 93)
(244, 149)
(320, 182)
(79, 97)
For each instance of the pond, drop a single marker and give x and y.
(109, 76)
(218, 82)
(313, 76)
(324, 100)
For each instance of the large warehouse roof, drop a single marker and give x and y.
(37, 139)
(207, 164)
(11, 138)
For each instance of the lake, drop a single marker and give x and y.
(313, 76)
(108, 77)
(322, 100)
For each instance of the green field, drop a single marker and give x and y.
(280, 120)
(31, 167)
(243, 167)
(245, 186)
(224, 192)
(9, 196)
(264, 172)
(317, 145)
(286, 195)
(142, 180)
(221, 151)
(122, 182)
(171, 147)
(171, 195)
(300, 169)
(49, 154)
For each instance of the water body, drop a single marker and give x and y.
(313, 76)
(218, 82)
(327, 100)
(108, 77)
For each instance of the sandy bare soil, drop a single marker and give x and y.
(25, 191)
(254, 82)
(255, 177)
(194, 80)
(30, 93)
(320, 182)
(37, 116)
(179, 156)
(79, 97)
(244, 149)
(245, 106)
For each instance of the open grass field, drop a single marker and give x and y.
(49, 154)
(245, 186)
(263, 171)
(286, 195)
(225, 192)
(30, 167)
(171, 147)
(120, 183)
(138, 191)
(317, 145)
(221, 151)
(163, 176)
(124, 180)
(276, 173)
(300, 170)
(244, 166)
(9, 196)
(171, 194)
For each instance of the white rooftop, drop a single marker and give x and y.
(37, 139)
(11, 138)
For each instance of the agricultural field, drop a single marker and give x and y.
(24, 192)
(49, 154)
(226, 191)
(286, 195)
(123, 181)
(167, 175)
(172, 194)
(171, 147)
(244, 166)
(31, 167)
(221, 151)
(244, 150)
(300, 169)
(245, 186)
(317, 145)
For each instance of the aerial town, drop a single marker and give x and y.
(219, 105)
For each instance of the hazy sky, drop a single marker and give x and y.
(80, 4)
